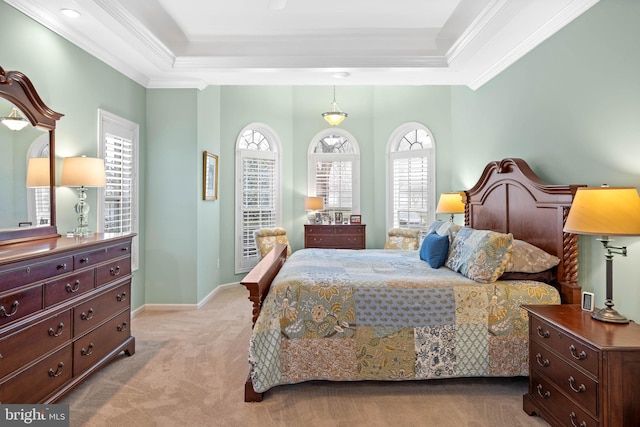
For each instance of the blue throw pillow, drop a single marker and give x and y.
(435, 249)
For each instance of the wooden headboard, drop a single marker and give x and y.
(510, 198)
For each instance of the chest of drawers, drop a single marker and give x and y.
(582, 372)
(352, 236)
(65, 311)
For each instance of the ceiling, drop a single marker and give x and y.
(196, 43)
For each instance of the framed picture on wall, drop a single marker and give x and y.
(210, 177)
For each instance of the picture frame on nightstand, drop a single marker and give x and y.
(587, 301)
(355, 219)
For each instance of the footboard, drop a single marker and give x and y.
(258, 281)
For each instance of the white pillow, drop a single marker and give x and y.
(527, 258)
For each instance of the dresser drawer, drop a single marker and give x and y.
(350, 229)
(59, 290)
(113, 270)
(565, 345)
(95, 311)
(556, 403)
(565, 376)
(20, 304)
(40, 338)
(43, 379)
(91, 348)
(97, 256)
(32, 272)
(325, 230)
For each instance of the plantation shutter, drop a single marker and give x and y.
(334, 183)
(410, 191)
(43, 205)
(118, 193)
(259, 200)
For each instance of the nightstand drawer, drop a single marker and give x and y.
(549, 397)
(565, 345)
(564, 375)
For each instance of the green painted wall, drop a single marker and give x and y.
(74, 83)
(571, 108)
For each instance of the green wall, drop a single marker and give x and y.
(571, 108)
(74, 83)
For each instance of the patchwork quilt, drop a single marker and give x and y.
(347, 315)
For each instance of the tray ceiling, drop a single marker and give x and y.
(195, 43)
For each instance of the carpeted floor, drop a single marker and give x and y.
(190, 367)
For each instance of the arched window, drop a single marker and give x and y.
(334, 170)
(411, 177)
(258, 193)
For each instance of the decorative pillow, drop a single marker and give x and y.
(480, 255)
(444, 228)
(527, 258)
(434, 249)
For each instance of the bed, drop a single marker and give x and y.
(349, 315)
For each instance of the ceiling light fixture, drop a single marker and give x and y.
(70, 13)
(336, 115)
(13, 121)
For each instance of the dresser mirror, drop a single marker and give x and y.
(27, 205)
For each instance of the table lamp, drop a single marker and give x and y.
(606, 211)
(82, 172)
(313, 204)
(38, 172)
(450, 203)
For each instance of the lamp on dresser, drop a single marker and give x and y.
(450, 203)
(606, 211)
(82, 172)
(312, 205)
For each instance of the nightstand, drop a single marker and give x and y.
(582, 372)
(351, 236)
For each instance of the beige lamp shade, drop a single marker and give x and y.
(313, 203)
(38, 172)
(82, 172)
(605, 211)
(450, 203)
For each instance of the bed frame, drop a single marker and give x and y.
(508, 198)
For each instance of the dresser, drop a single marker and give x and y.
(582, 372)
(65, 311)
(347, 236)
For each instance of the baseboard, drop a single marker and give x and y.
(182, 307)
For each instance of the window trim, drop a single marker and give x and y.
(275, 152)
(105, 121)
(391, 154)
(354, 157)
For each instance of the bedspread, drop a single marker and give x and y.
(347, 315)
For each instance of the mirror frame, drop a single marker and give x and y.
(18, 89)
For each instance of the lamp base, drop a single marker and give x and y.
(610, 315)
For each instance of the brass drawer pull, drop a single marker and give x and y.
(57, 333)
(14, 309)
(87, 351)
(84, 260)
(74, 288)
(115, 271)
(576, 356)
(581, 388)
(542, 362)
(62, 266)
(57, 373)
(87, 316)
(121, 297)
(122, 327)
(125, 249)
(546, 334)
(573, 417)
(544, 395)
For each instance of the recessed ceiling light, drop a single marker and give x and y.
(70, 13)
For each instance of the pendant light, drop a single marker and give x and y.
(335, 116)
(14, 121)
